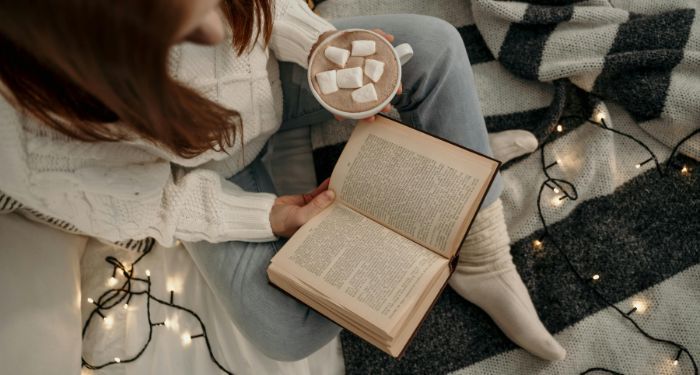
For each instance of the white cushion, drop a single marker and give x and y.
(40, 325)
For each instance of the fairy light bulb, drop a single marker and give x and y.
(186, 339)
(557, 201)
(675, 362)
(112, 281)
(596, 277)
(685, 171)
(90, 300)
(559, 163)
(173, 284)
(172, 323)
(117, 359)
(639, 305)
(108, 321)
(148, 273)
(537, 245)
(126, 306)
(560, 128)
(599, 116)
(556, 190)
(637, 166)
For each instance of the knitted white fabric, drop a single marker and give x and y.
(485, 275)
(133, 190)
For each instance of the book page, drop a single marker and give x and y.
(417, 185)
(392, 344)
(361, 265)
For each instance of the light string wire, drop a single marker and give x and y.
(113, 297)
(679, 144)
(573, 195)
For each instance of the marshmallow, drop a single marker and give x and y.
(374, 69)
(364, 94)
(350, 78)
(327, 82)
(338, 56)
(362, 47)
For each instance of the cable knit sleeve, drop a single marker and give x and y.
(116, 191)
(295, 30)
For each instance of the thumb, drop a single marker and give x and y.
(314, 207)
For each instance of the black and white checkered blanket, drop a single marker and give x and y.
(642, 55)
(546, 62)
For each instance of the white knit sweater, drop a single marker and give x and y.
(134, 190)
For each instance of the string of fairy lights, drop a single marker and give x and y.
(564, 189)
(121, 295)
(134, 286)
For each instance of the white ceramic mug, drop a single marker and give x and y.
(402, 53)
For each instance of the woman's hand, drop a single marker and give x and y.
(381, 32)
(290, 212)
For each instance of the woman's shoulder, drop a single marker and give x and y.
(29, 144)
(26, 138)
(199, 65)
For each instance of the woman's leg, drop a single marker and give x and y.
(440, 98)
(277, 324)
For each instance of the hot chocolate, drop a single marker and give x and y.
(350, 92)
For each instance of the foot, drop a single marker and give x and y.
(510, 144)
(506, 300)
(485, 275)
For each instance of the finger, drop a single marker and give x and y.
(380, 32)
(338, 118)
(296, 200)
(387, 108)
(400, 90)
(323, 185)
(318, 190)
(370, 119)
(311, 209)
(383, 33)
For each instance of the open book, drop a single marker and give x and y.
(376, 260)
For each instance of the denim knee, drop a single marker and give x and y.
(294, 343)
(444, 36)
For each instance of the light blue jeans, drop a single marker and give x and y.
(438, 97)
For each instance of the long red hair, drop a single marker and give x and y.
(77, 65)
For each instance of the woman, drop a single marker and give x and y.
(115, 125)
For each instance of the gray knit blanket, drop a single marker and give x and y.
(643, 55)
(538, 64)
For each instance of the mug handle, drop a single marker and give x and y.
(404, 51)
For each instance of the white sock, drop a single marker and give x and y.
(486, 276)
(510, 144)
